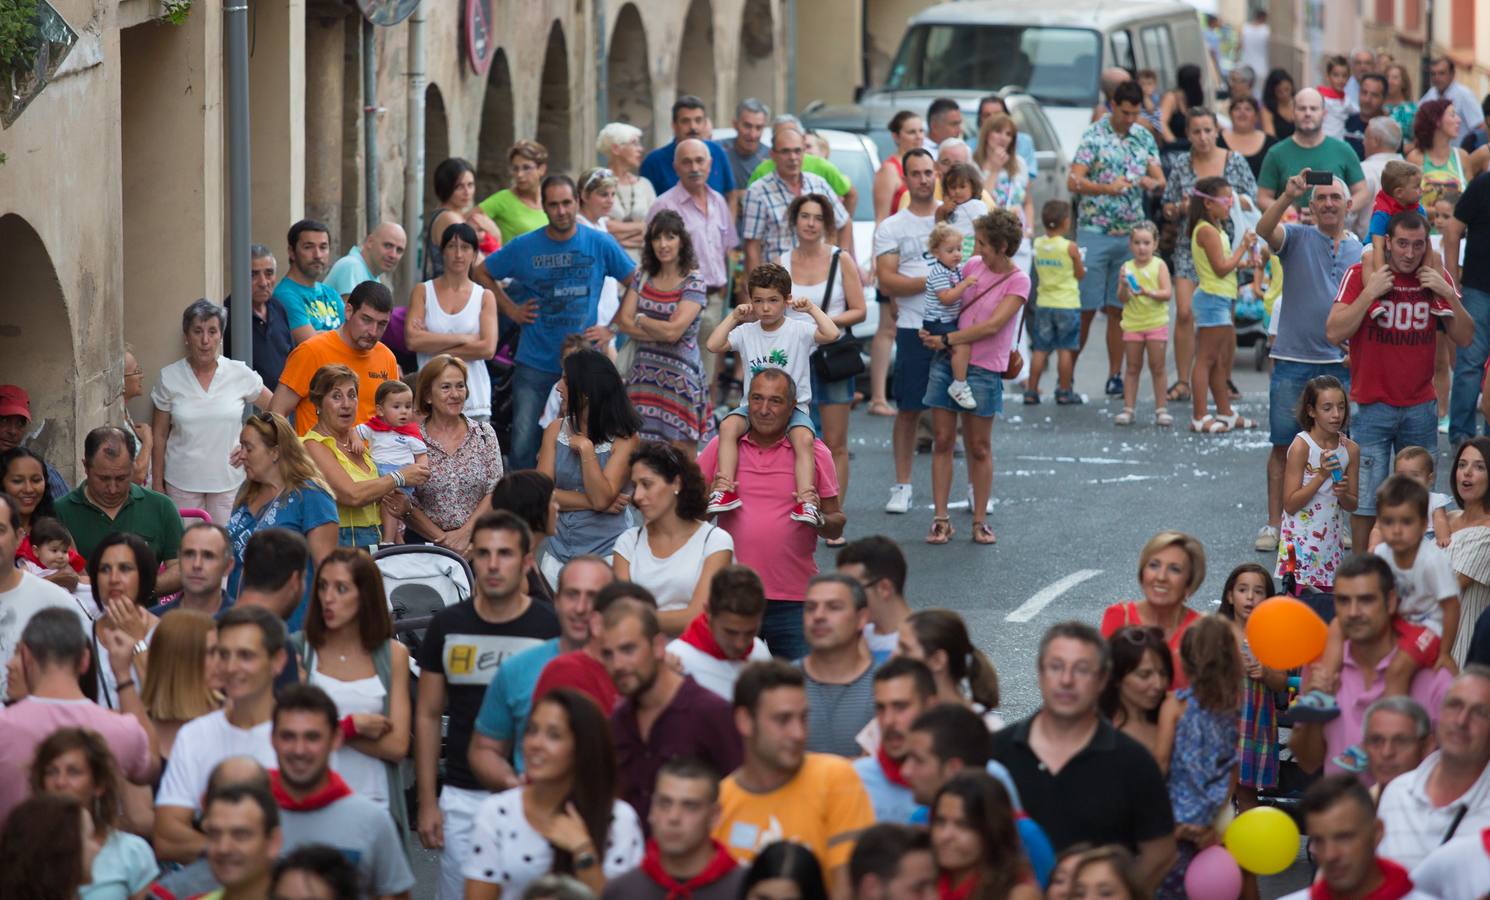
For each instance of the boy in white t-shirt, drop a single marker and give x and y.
(394, 441)
(1418, 464)
(763, 336)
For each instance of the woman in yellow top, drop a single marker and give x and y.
(1144, 289)
(346, 463)
(1216, 264)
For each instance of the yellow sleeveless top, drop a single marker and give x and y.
(1210, 282)
(1058, 287)
(351, 516)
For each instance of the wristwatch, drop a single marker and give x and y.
(947, 341)
(585, 860)
(141, 646)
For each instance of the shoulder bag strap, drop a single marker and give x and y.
(832, 277)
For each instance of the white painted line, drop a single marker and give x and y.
(1048, 594)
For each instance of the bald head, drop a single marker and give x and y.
(1112, 76)
(1308, 113)
(237, 770)
(384, 247)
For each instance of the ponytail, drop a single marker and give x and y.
(982, 680)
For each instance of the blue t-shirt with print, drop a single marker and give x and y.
(509, 697)
(317, 305)
(298, 511)
(565, 277)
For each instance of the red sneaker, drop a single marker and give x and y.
(723, 501)
(1438, 306)
(807, 513)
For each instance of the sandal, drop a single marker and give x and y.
(982, 534)
(1237, 421)
(835, 542)
(1031, 398)
(941, 531)
(1162, 418)
(1209, 424)
(1125, 417)
(1231, 389)
(1174, 393)
(878, 408)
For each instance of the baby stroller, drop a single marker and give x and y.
(421, 580)
(1252, 325)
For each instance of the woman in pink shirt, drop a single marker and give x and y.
(988, 321)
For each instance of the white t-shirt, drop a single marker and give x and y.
(200, 745)
(1420, 588)
(391, 448)
(787, 348)
(1436, 501)
(363, 773)
(962, 216)
(881, 644)
(835, 304)
(30, 596)
(1414, 827)
(671, 579)
(905, 233)
(718, 675)
(506, 850)
(204, 424)
(1458, 870)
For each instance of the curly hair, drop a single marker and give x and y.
(327, 377)
(773, 277)
(1212, 663)
(1001, 229)
(671, 465)
(1429, 116)
(668, 222)
(101, 768)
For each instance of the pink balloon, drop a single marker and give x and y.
(1213, 875)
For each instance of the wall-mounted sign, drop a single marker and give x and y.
(479, 40)
(386, 12)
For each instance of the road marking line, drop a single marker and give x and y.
(1047, 595)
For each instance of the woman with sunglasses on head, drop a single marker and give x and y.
(597, 197)
(455, 315)
(1171, 568)
(1142, 674)
(660, 311)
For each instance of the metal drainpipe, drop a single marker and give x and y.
(240, 211)
(373, 201)
(791, 55)
(414, 148)
(602, 72)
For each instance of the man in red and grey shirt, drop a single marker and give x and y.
(1391, 318)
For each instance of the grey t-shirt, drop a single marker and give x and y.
(742, 166)
(1312, 271)
(364, 833)
(836, 713)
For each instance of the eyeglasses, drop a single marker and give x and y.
(1080, 671)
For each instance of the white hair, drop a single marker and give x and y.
(1386, 130)
(951, 143)
(614, 135)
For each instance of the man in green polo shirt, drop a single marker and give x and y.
(107, 500)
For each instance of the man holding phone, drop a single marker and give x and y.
(1309, 148)
(1392, 353)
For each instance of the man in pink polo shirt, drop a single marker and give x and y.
(1365, 598)
(767, 540)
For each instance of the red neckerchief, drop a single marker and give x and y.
(1485, 839)
(721, 865)
(1395, 884)
(698, 635)
(946, 891)
(1386, 203)
(334, 790)
(376, 423)
(891, 768)
(1330, 92)
(27, 552)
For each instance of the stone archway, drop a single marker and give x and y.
(629, 83)
(36, 341)
(436, 139)
(755, 70)
(497, 133)
(554, 102)
(696, 58)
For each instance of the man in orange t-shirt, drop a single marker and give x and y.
(355, 345)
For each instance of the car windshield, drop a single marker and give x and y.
(1055, 65)
(855, 164)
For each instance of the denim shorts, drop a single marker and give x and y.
(363, 536)
(389, 469)
(1055, 329)
(987, 387)
(934, 327)
(912, 367)
(1382, 431)
(1211, 311)
(832, 393)
(1284, 390)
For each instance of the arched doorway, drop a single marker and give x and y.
(36, 347)
(629, 84)
(497, 135)
(696, 57)
(436, 140)
(553, 101)
(755, 72)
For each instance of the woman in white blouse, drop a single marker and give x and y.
(566, 818)
(455, 315)
(675, 553)
(199, 404)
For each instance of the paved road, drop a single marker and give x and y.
(1075, 499)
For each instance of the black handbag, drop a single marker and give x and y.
(840, 359)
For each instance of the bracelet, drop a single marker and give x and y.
(947, 341)
(121, 685)
(398, 478)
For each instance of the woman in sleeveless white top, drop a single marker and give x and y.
(1469, 550)
(469, 332)
(362, 773)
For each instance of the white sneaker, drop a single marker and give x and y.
(900, 499)
(962, 395)
(1267, 540)
(987, 507)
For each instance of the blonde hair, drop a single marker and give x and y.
(1398, 174)
(1194, 550)
(296, 467)
(943, 233)
(175, 688)
(999, 122)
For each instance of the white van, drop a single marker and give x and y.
(968, 49)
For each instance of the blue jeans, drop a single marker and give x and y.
(1286, 387)
(1383, 431)
(1104, 258)
(782, 630)
(362, 536)
(1469, 369)
(530, 389)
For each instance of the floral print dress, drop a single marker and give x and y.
(1314, 531)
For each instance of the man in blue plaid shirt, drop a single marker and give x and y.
(768, 235)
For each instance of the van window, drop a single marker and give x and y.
(1122, 50)
(1055, 65)
(1158, 48)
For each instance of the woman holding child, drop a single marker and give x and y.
(990, 309)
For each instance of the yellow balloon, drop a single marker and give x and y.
(1264, 840)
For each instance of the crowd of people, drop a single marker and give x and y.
(623, 399)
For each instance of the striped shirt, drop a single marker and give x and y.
(765, 212)
(836, 713)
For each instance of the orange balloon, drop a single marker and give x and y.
(1285, 633)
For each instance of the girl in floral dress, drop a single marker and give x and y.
(1319, 480)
